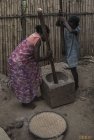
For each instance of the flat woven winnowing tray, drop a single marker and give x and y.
(46, 125)
(3, 135)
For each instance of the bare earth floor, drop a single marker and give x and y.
(79, 115)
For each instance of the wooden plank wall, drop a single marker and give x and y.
(10, 27)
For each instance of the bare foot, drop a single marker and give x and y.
(38, 98)
(29, 105)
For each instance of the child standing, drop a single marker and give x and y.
(71, 33)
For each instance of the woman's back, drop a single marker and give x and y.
(24, 52)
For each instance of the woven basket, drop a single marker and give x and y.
(48, 125)
(3, 135)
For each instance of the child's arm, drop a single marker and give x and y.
(76, 31)
(62, 22)
(68, 26)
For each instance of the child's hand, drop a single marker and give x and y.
(62, 19)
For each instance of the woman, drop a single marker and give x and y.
(23, 67)
(71, 33)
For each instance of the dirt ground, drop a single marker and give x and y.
(79, 115)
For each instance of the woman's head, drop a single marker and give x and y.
(40, 31)
(74, 21)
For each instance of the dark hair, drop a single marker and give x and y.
(39, 29)
(75, 20)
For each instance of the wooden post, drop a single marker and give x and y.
(23, 18)
(42, 22)
(62, 46)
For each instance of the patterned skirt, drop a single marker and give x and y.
(24, 80)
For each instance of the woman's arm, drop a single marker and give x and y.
(37, 53)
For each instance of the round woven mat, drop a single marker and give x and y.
(47, 125)
(3, 135)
